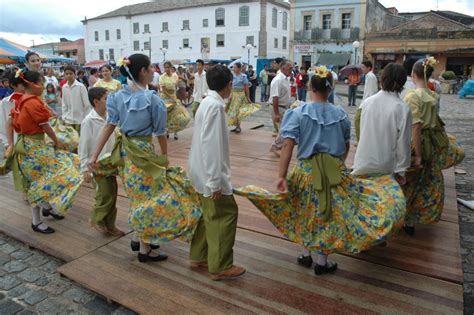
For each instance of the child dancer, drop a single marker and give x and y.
(209, 168)
(7, 104)
(49, 178)
(320, 205)
(104, 212)
(163, 204)
(75, 102)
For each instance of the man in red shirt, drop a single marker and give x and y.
(354, 80)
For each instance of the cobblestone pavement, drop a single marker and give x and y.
(30, 284)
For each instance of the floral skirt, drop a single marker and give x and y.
(424, 191)
(53, 176)
(365, 211)
(160, 210)
(453, 155)
(178, 117)
(239, 108)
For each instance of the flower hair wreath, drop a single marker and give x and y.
(323, 73)
(428, 62)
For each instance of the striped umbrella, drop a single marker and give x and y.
(16, 52)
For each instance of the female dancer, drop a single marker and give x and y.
(163, 204)
(107, 82)
(240, 105)
(320, 205)
(178, 116)
(49, 177)
(431, 151)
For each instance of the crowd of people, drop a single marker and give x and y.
(322, 204)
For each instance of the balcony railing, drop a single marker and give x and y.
(334, 34)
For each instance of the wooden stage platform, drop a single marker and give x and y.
(420, 274)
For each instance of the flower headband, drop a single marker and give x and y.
(124, 62)
(20, 73)
(323, 73)
(428, 62)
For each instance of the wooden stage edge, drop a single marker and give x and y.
(421, 274)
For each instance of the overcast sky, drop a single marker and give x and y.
(46, 20)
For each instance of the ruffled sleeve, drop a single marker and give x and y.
(37, 111)
(113, 117)
(158, 115)
(290, 127)
(413, 100)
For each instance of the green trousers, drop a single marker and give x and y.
(76, 127)
(194, 108)
(214, 238)
(104, 212)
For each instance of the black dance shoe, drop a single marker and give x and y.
(410, 230)
(306, 261)
(147, 257)
(330, 267)
(36, 228)
(135, 246)
(48, 212)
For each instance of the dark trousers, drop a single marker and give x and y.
(252, 91)
(352, 94)
(302, 94)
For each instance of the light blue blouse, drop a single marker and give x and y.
(239, 81)
(138, 113)
(316, 128)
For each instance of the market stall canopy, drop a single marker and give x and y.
(336, 59)
(95, 64)
(16, 52)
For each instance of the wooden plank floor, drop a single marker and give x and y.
(411, 275)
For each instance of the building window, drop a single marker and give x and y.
(185, 25)
(136, 28)
(283, 42)
(220, 17)
(96, 36)
(146, 45)
(164, 44)
(275, 43)
(326, 21)
(107, 35)
(274, 17)
(146, 28)
(111, 54)
(244, 15)
(346, 21)
(205, 23)
(285, 21)
(308, 22)
(101, 54)
(164, 27)
(185, 42)
(136, 45)
(119, 35)
(250, 40)
(220, 40)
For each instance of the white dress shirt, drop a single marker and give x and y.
(280, 87)
(156, 79)
(75, 103)
(371, 85)
(409, 85)
(7, 106)
(200, 87)
(209, 161)
(90, 130)
(385, 136)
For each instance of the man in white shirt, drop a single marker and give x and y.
(371, 87)
(280, 96)
(104, 212)
(156, 80)
(200, 86)
(75, 101)
(50, 78)
(385, 134)
(209, 171)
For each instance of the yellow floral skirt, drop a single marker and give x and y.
(365, 211)
(239, 108)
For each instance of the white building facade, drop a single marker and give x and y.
(184, 30)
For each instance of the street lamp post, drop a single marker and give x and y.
(356, 46)
(164, 50)
(149, 43)
(248, 47)
(33, 43)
